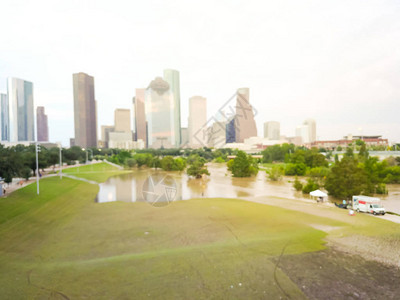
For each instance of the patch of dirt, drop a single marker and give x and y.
(381, 250)
(333, 274)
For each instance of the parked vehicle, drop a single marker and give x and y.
(368, 204)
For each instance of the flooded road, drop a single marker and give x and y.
(136, 186)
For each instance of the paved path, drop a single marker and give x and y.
(79, 178)
(326, 209)
(20, 182)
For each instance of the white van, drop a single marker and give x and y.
(368, 204)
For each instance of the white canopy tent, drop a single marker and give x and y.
(320, 195)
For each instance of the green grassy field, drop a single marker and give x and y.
(99, 172)
(62, 245)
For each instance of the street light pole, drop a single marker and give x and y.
(60, 163)
(86, 154)
(37, 167)
(91, 153)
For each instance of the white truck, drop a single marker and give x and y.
(368, 204)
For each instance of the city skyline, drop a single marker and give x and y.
(332, 62)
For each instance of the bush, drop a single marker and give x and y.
(295, 169)
(275, 173)
(130, 162)
(297, 184)
(168, 163)
(219, 159)
(310, 186)
(381, 189)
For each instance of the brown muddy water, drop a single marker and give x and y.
(136, 186)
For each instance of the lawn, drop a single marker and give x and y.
(61, 244)
(99, 172)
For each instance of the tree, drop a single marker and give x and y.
(363, 153)
(295, 169)
(243, 165)
(346, 179)
(197, 168)
(167, 163)
(275, 173)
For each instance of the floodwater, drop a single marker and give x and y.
(147, 185)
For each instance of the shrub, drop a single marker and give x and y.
(297, 184)
(310, 186)
(275, 173)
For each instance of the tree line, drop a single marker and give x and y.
(342, 178)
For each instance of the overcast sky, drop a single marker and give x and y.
(335, 61)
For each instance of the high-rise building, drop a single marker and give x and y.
(134, 119)
(217, 134)
(272, 130)
(303, 132)
(85, 116)
(312, 129)
(230, 130)
(121, 136)
(160, 115)
(172, 77)
(105, 134)
(307, 131)
(245, 125)
(21, 113)
(4, 118)
(140, 116)
(42, 125)
(184, 137)
(122, 120)
(197, 121)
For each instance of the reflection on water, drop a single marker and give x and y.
(129, 187)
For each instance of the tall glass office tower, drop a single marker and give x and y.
(245, 124)
(160, 115)
(4, 119)
(21, 114)
(85, 113)
(140, 116)
(172, 77)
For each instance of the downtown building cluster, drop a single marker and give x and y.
(17, 118)
(156, 116)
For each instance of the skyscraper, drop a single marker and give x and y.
(245, 125)
(140, 116)
(105, 134)
(307, 131)
(4, 118)
(122, 120)
(303, 132)
(272, 130)
(197, 121)
(21, 115)
(172, 77)
(312, 129)
(85, 117)
(160, 115)
(42, 125)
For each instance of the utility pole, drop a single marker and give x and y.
(37, 166)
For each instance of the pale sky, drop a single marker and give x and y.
(335, 61)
